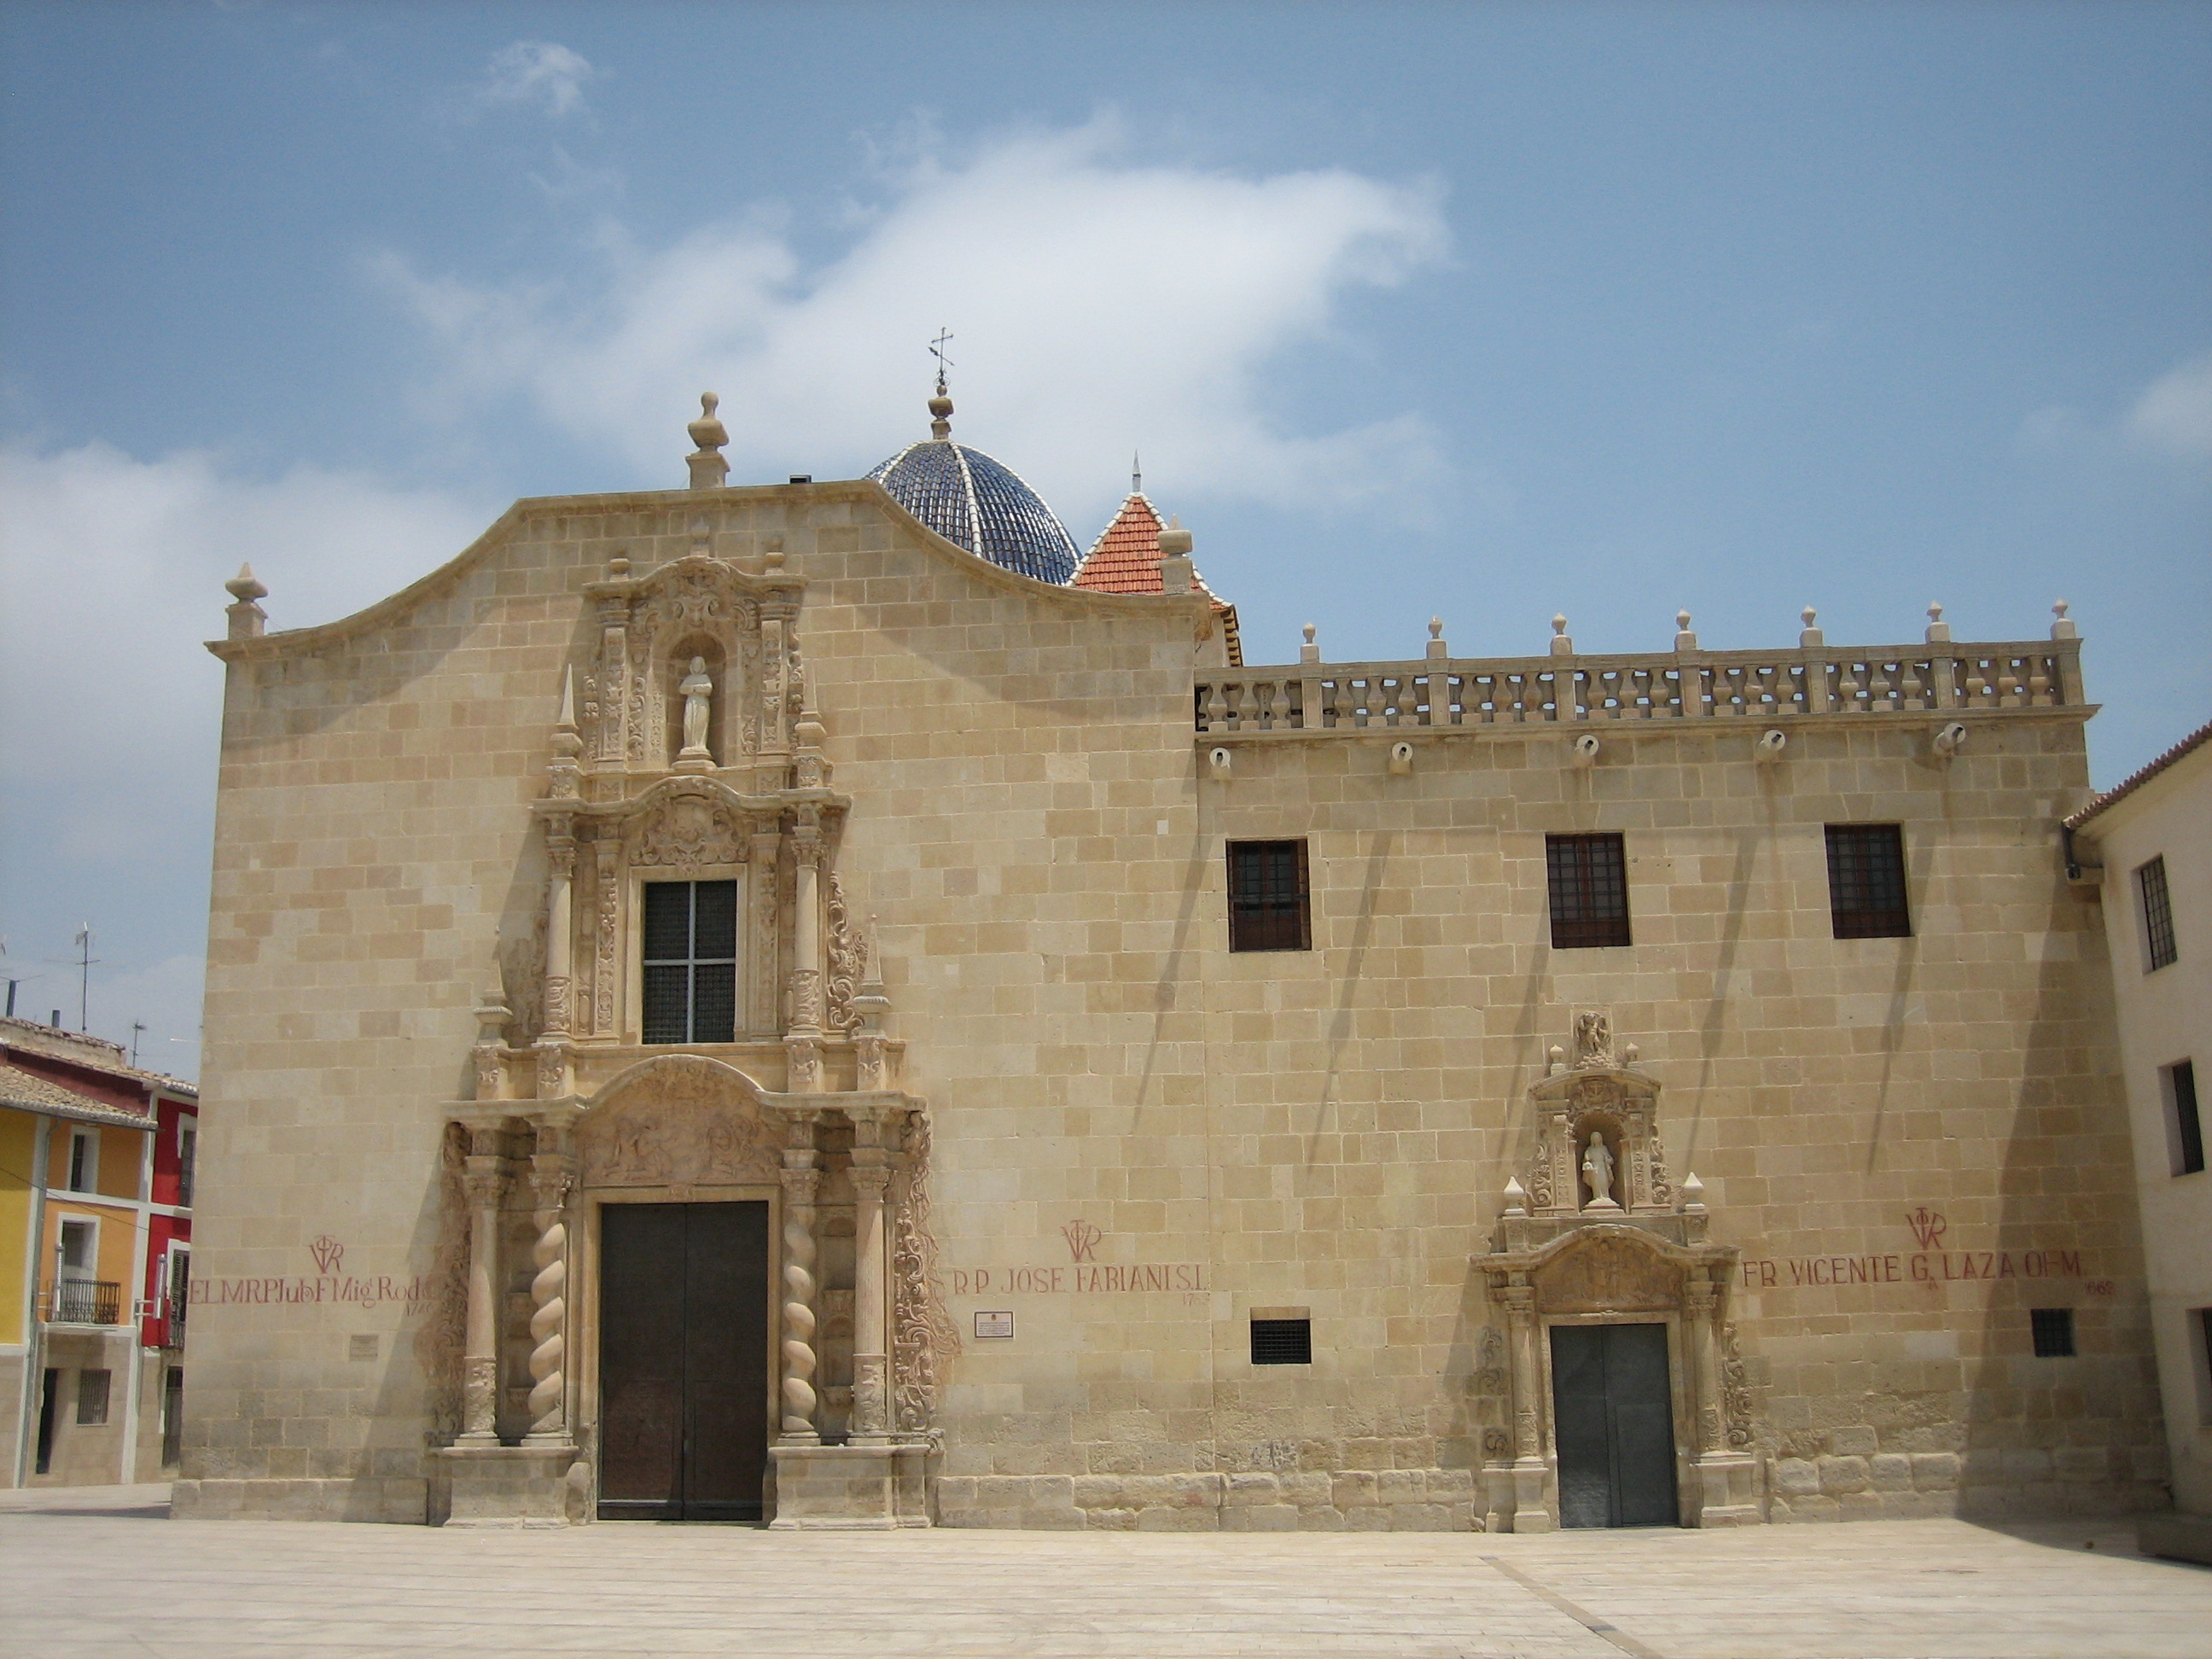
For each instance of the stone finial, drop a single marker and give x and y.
(2062, 626)
(1561, 645)
(1684, 639)
(1939, 631)
(1558, 1057)
(1811, 638)
(1176, 574)
(1517, 1196)
(708, 470)
(568, 741)
(703, 539)
(1309, 651)
(940, 413)
(1693, 1193)
(1438, 651)
(247, 618)
(618, 568)
(1630, 1054)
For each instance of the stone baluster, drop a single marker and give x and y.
(486, 1183)
(1701, 1303)
(552, 1174)
(871, 1353)
(802, 1181)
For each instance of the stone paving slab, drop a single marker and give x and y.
(96, 1572)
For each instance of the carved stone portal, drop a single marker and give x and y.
(1593, 1231)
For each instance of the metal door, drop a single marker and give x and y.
(1614, 1420)
(683, 1361)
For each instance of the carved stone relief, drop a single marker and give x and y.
(849, 960)
(1608, 1275)
(684, 1124)
(923, 1336)
(691, 829)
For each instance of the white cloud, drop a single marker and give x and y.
(1099, 305)
(542, 72)
(113, 568)
(2175, 413)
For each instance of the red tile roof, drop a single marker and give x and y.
(1126, 559)
(2128, 785)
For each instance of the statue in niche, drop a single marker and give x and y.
(697, 687)
(1597, 1169)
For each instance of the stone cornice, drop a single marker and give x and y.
(682, 505)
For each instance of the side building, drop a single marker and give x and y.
(776, 1003)
(96, 1160)
(2149, 843)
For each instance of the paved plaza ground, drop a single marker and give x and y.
(101, 1570)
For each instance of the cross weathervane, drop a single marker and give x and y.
(937, 350)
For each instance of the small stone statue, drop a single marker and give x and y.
(1597, 1171)
(697, 687)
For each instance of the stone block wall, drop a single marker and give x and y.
(1141, 1137)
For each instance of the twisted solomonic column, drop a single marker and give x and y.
(801, 1181)
(552, 1174)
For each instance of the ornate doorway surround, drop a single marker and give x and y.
(1597, 1233)
(686, 748)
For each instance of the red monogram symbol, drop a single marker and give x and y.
(1082, 1238)
(1928, 1226)
(328, 1253)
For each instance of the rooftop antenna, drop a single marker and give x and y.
(84, 961)
(137, 1026)
(1136, 474)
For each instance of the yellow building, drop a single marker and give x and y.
(94, 1236)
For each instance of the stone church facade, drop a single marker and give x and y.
(735, 1003)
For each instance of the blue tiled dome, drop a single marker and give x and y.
(971, 499)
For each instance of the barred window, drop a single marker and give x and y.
(1589, 877)
(2157, 912)
(1270, 900)
(1282, 1341)
(1866, 881)
(91, 1391)
(2052, 1329)
(2188, 1137)
(691, 962)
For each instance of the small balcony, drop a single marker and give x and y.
(85, 1301)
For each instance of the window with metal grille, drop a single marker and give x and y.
(2188, 1138)
(1270, 900)
(2157, 914)
(691, 962)
(92, 1388)
(1282, 1341)
(1589, 877)
(2053, 1330)
(188, 1157)
(2205, 1356)
(1866, 881)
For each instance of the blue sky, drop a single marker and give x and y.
(1484, 312)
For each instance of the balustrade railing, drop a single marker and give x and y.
(1722, 684)
(85, 1301)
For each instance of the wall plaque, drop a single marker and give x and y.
(994, 1327)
